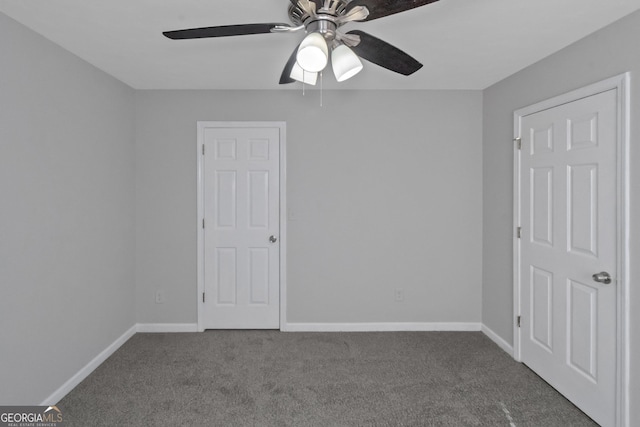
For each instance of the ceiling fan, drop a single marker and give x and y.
(322, 21)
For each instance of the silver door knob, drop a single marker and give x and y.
(602, 277)
(273, 239)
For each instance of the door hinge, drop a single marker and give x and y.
(203, 149)
(202, 222)
(518, 141)
(203, 297)
(518, 321)
(519, 232)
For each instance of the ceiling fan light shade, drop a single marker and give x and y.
(313, 53)
(299, 74)
(345, 62)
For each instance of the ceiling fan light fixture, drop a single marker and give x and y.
(300, 75)
(313, 53)
(345, 62)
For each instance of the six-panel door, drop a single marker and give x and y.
(241, 220)
(568, 220)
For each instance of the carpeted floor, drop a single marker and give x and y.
(271, 378)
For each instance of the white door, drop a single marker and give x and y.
(241, 200)
(568, 233)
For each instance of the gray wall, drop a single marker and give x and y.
(609, 52)
(392, 194)
(67, 214)
(386, 186)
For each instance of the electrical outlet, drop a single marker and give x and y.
(399, 295)
(159, 297)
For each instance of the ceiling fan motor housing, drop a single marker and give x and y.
(323, 21)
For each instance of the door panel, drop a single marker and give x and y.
(225, 269)
(583, 209)
(259, 276)
(225, 199)
(541, 307)
(241, 198)
(568, 220)
(582, 330)
(542, 205)
(259, 199)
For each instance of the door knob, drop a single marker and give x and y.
(602, 277)
(273, 239)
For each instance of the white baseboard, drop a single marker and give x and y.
(167, 327)
(83, 373)
(380, 327)
(498, 340)
(72, 382)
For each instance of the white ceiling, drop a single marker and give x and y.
(463, 44)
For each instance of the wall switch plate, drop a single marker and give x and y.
(399, 295)
(159, 297)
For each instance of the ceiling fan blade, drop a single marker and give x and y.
(382, 8)
(383, 54)
(222, 31)
(285, 78)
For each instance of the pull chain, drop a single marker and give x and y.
(321, 88)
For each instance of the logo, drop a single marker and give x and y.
(30, 416)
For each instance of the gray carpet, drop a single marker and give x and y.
(270, 378)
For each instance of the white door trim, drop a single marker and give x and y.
(282, 126)
(621, 84)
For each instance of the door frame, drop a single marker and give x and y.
(282, 127)
(621, 84)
